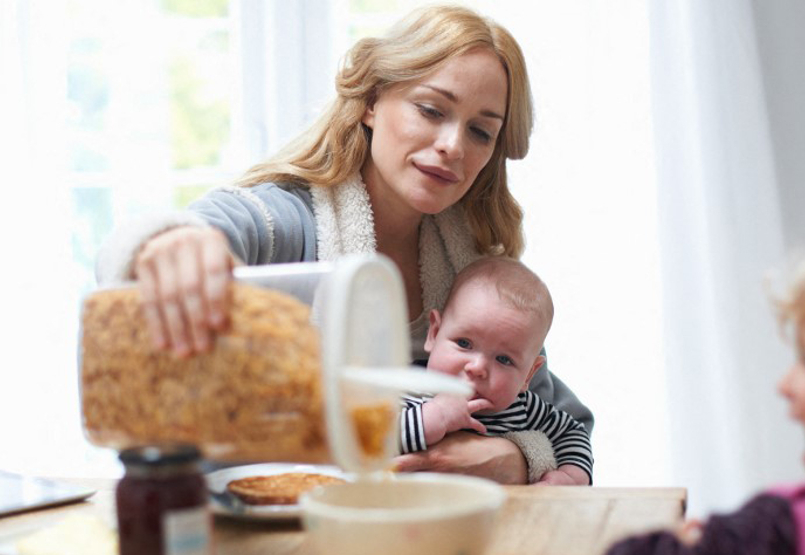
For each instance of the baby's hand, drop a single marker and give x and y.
(449, 413)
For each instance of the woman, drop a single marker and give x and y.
(409, 161)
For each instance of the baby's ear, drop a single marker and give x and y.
(537, 365)
(433, 329)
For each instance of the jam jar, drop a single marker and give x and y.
(162, 502)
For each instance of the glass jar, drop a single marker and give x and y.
(162, 502)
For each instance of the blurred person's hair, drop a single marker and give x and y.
(790, 303)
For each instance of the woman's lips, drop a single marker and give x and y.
(439, 173)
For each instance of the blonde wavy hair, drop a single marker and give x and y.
(336, 145)
(790, 305)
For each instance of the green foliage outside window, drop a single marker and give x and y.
(199, 125)
(183, 196)
(197, 8)
(364, 6)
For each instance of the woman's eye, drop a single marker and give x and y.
(463, 343)
(481, 135)
(503, 359)
(429, 111)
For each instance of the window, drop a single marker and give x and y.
(115, 108)
(149, 113)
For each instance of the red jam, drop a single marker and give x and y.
(162, 502)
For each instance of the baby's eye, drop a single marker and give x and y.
(503, 359)
(429, 111)
(463, 343)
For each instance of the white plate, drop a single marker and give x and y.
(24, 493)
(217, 481)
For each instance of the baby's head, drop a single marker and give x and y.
(492, 329)
(791, 311)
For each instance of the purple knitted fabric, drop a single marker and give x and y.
(764, 526)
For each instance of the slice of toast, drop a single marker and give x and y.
(278, 489)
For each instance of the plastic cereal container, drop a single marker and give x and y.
(309, 370)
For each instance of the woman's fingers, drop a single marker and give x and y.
(190, 280)
(151, 307)
(172, 305)
(205, 269)
(412, 462)
(217, 268)
(183, 275)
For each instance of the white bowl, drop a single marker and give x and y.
(422, 514)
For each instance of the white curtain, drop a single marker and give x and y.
(588, 191)
(38, 295)
(721, 204)
(666, 178)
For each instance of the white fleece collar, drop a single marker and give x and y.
(345, 225)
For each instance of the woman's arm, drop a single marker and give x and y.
(467, 453)
(569, 438)
(183, 260)
(565, 475)
(551, 389)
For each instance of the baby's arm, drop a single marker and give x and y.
(449, 413)
(425, 422)
(570, 440)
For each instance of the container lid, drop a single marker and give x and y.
(359, 304)
(365, 360)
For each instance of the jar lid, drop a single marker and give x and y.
(161, 454)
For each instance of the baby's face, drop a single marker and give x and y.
(792, 386)
(488, 343)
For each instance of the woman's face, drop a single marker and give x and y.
(431, 137)
(792, 386)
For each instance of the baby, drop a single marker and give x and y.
(491, 334)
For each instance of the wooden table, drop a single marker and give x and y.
(534, 520)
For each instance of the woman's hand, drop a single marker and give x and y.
(183, 275)
(466, 453)
(565, 475)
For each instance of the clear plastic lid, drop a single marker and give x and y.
(311, 369)
(365, 357)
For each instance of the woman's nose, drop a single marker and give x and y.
(450, 141)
